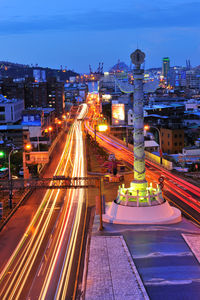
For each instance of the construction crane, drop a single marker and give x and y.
(90, 69)
(101, 70)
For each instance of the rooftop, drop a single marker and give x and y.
(150, 143)
(4, 100)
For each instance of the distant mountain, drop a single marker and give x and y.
(119, 67)
(14, 70)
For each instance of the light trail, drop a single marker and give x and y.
(176, 187)
(78, 171)
(26, 253)
(29, 253)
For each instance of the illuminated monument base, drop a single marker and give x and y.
(141, 206)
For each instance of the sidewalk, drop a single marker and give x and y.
(112, 274)
(158, 262)
(166, 257)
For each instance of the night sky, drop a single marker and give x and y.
(78, 33)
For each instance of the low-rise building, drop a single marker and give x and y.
(14, 134)
(10, 110)
(191, 151)
(37, 119)
(151, 146)
(172, 140)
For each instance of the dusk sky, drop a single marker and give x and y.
(78, 33)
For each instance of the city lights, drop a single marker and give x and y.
(28, 146)
(102, 127)
(2, 154)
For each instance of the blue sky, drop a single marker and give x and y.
(78, 33)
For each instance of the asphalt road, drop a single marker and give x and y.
(43, 260)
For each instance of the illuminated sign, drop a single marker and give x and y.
(118, 113)
(106, 97)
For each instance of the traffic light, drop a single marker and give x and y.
(2, 154)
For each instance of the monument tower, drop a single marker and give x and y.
(141, 203)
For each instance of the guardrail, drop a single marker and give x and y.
(148, 200)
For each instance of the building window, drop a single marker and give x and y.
(168, 135)
(180, 135)
(175, 135)
(2, 108)
(11, 113)
(168, 143)
(180, 144)
(162, 134)
(175, 144)
(162, 142)
(2, 117)
(27, 156)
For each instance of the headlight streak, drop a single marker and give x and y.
(43, 206)
(61, 293)
(78, 171)
(25, 255)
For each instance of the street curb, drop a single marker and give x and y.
(87, 254)
(28, 194)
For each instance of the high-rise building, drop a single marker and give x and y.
(165, 67)
(10, 88)
(35, 93)
(55, 95)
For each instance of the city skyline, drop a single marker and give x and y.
(78, 34)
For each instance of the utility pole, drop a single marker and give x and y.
(100, 204)
(126, 136)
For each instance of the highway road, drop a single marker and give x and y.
(181, 193)
(44, 264)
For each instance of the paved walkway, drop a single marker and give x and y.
(193, 241)
(112, 274)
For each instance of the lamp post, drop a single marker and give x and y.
(147, 127)
(10, 177)
(50, 130)
(27, 148)
(126, 136)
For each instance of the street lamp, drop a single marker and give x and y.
(147, 127)
(27, 148)
(102, 127)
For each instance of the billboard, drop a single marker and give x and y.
(118, 113)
